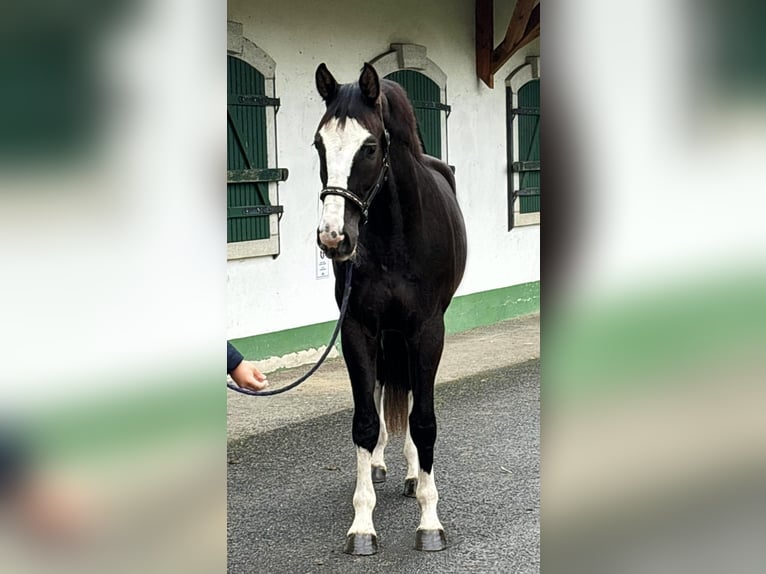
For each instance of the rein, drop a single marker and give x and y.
(343, 308)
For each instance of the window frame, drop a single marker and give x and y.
(242, 48)
(527, 72)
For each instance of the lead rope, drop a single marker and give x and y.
(343, 308)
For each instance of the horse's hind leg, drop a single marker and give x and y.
(378, 458)
(411, 456)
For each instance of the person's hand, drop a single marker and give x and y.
(247, 376)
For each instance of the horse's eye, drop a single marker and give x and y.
(370, 149)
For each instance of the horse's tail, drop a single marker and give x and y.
(395, 408)
(396, 381)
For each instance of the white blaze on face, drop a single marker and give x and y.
(341, 145)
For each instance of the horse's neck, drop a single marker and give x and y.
(405, 179)
(396, 212)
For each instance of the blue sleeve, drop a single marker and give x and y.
(13, 462)
(233, 357)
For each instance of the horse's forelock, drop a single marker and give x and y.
(397, 112)
(399, 116)
(350, 104)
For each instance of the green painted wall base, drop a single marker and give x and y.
(488, 307)
(466, 312)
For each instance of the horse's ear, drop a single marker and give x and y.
(326, 84)
(369, 84)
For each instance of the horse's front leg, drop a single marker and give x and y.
(425, 353)
(359, 352)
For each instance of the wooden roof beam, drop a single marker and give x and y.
(522, 29)
(485, 40)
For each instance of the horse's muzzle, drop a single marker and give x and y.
(339, 248)
(330, 239)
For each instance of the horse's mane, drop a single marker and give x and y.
(399, 117)
(402, 125)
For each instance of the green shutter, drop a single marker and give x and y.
(425, 96)
(528, 165)
(247, 170)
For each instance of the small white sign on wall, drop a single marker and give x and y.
(323, 264)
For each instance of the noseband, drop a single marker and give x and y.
(363, 204)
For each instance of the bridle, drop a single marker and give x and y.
(363, 204)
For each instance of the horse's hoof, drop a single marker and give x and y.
(410, 486)
(378, 474)
(361, 544)
(430, 540)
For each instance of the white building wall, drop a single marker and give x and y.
(267, 295)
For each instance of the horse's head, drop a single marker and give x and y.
(353, 149)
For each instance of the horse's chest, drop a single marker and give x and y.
(393, 300)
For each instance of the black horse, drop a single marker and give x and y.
(392, 212)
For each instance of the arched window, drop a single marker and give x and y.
(426, 86)
(252, 195)
(523, 112)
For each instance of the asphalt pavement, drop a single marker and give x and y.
(290, 483)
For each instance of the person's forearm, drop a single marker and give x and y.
(233, 357)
